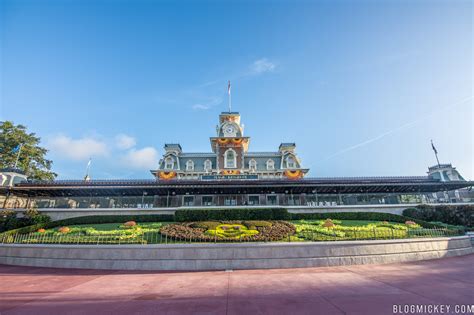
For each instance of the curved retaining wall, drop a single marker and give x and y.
(232, 256)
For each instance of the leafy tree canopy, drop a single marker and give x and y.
(32, 158)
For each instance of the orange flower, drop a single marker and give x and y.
(167, 175)
(41, 230)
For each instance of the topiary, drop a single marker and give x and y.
(130, 224)
(64, 230)
(328, 223)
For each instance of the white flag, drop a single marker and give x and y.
(228, 88)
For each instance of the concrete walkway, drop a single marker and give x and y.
(369, 289)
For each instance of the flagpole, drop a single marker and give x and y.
(230, 97)
(88, 169)
(18, 155)
(436, 153)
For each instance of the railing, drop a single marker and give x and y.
(158, 238)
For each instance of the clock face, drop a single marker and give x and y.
(229, 131)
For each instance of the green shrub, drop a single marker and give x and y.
(450, 214)
(9, 219)
(187, 215)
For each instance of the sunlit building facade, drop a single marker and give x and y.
(232, 175)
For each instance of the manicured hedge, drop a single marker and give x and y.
(371, 216)
(232, 214)
(450, 214)
(95, 219)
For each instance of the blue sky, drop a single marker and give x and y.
(360, 86)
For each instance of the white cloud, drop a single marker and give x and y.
(200, 107)
(146, 158)
(125, 142)
(262, 65)
(210, 102)
(77, 149)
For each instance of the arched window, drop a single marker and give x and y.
(252, 165)
(230, 159)
(270, 165)
(189, 165)
(290, 162)
(169, 163)
(207, 165)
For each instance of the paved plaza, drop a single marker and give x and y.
(368, 289)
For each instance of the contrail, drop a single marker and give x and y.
(404, 126)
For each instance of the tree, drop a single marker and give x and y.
(32, 158)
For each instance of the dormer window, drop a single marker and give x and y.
(290, 162)
(270, 165)
(189, 165)
(169, 163)
(230, 159)
(207, 166)
(252, 165)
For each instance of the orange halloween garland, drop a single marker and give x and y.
(230, 172)
(236, 141)
(295, 174)
(167, 175)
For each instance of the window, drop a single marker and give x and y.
(188, 200)
(290, 162)
(272, 200)
(270, 165)
(230, 201)
(207, 201)
(294, 200)
(230, 159)
(252, 165)
(169, 163)
(189, 165)
(254, 200)
(207, 165)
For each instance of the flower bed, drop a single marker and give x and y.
(229, 230)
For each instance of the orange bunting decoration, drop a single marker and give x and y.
(237, 141)
(294, 174)
(223, 140)
(167, 175)
(230, 172)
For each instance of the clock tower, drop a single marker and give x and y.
(230, 144)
